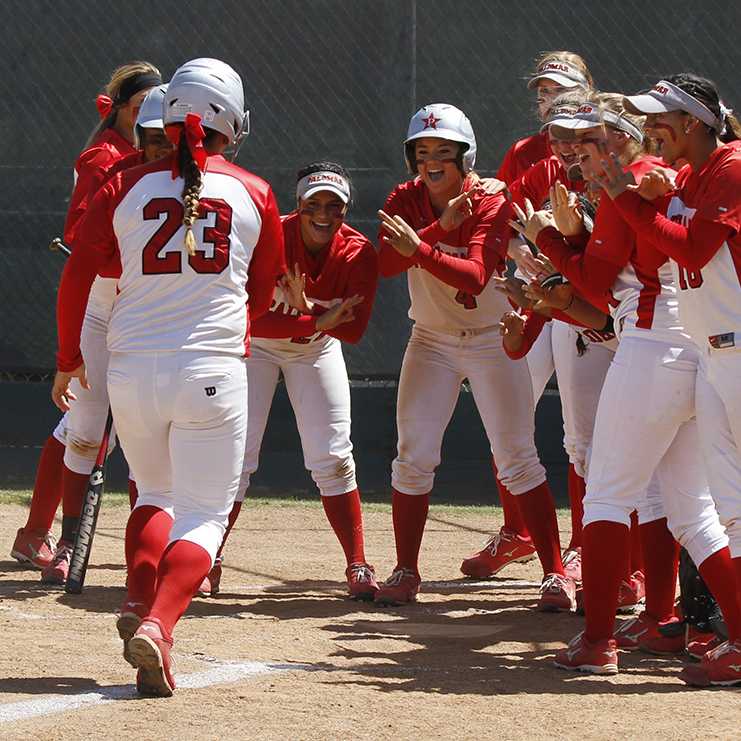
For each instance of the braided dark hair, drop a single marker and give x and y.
(706, 91)
(192, 184)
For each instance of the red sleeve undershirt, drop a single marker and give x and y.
(487, 248)
(96, 251)
(692, 247)
(592, 271)
(278, 326)
(362, 281)
(268, 261)
(534, 323)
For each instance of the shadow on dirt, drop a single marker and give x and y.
(482, 654)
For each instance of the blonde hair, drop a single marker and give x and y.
(613, 102)
(112, 89)
(567, 57)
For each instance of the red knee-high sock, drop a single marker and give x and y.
(47, 489)
(636, 550)
(539, 514)
(409, 513)
(577, 490)
(182, 568)
(147, 533)
(718, 572)
(74, 486)
(346, 519)
(236, 507)
(512, 516)
(133, 493)
(660, 566)
(605, 551)
(737, 567)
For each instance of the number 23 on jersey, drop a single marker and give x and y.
(212, 257)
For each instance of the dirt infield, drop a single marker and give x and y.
(281, 654)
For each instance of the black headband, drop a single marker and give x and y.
(132, 85)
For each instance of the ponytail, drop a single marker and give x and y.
(731, 130)
(192, 184)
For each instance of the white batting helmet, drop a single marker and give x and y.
(443, 121)
(152, 109)
(213, 90)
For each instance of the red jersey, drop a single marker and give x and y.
(348, 266)
(108, 148)
(449, 274)
(702, 234)
(536, 182)
(522, 155)
(169, 300)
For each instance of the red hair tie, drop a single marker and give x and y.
(194, 136)
(104, 104)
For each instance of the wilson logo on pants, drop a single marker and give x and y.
(210, 390)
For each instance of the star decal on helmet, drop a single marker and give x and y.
(431, 122)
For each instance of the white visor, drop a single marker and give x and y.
(316, 181)
(666, 97)
(561, 73)
(557, 115)
(588, 116)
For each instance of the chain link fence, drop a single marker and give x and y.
(327, 79)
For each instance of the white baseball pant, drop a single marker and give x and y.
(645, 424)
(434, 366)
(319, 391)
(182, 421)
(719, 422)
(541, 361)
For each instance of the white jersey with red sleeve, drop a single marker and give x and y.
(622, 268)
(197, 303)
(348, 266)
(449, 275)
(710, 298)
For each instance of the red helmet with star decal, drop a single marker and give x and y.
(443, 121)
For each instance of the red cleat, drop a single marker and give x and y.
(399, 589)
(35, 547)
(632, 592)
(149, 649)
(129, 619)
(557, 594)
(703, 643)
(58, 570)
(501, 549)
(361, 581)
(642, 633)
(594, 658)
(720, 667)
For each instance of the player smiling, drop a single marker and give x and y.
(698, 227)
(449, 237)
(325, 299)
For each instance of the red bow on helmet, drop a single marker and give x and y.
(194, 136)
(104, 104)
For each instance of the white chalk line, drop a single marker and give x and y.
(220, 673)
